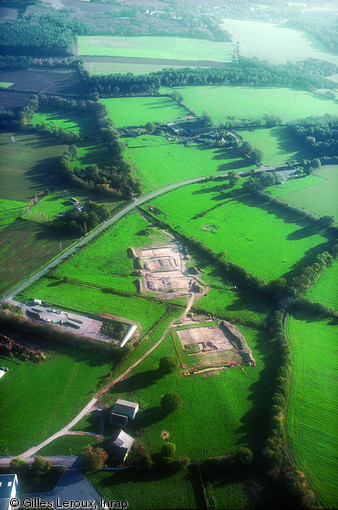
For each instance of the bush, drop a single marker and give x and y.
(94, 459)
(168, 450)
(171, 402)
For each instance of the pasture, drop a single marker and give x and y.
(312, 411)
(25, 247)
(178, 48)
(87, 299)
(26, 163)
(278, 144)
(80, 123)
(276, 43)
(252, 102)
(107, 261)
(6, 84)
(137, 111)
(48, 395)
(149, 490)
(325, 290)
(10, 210)
(158, 162)
(316, 193)
(240, 419)
(257, 235)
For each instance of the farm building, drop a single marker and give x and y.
(73, 201)
(122, 412)
(122, 443)
(8, 486)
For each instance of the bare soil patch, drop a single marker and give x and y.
(165, 272)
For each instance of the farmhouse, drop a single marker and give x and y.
(122, 412)
(8, 486)
(122, 443)
(73, 201)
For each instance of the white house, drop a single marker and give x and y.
(8, 487)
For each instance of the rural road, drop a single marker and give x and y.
(96, 232)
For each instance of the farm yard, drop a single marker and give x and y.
(312, 412)
(264, 239)
(316, 193)
(158, 162)
(27, 391)
(278, 144)
(177, 48)
(26, 163)
(137, 111)
(325, 290)
(275, 42)
(252, 102)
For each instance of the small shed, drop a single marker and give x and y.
(122, 443)
(124, 408)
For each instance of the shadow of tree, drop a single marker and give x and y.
(136, 382)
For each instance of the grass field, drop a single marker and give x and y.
(48, 395)
(275, 43)
(80, 123)
(325, 290)
(25, 247)
(316, 193)
(107, 261)
(137, 111)
(26, 163)
(87, 299)
(252, 102)
(159, 162)
(67, 445)
(238, 397)
(312, 412)
(6, 84)
(178, 48)
(231, 496)
(10, 210)
(149, 491)
(254, 234)
(278, 145)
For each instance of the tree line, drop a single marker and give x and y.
(320, 134)
(306, 75)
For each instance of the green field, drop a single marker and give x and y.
(148, 491)
(275, 43)
(231, 496)
(158, 162)
(177, 48)
(26, 163)
(10, 210)
(99, 67)
(137, 111)
(316, 193)
(107, 261)
(25, 247)
(278, 144)
(48, 395)
(254, 234)
(6, 84)
(87, 299)
(325, 290)
(312, 415)
(80, 123)
(252, 102)
(67, 445)
(239, 398)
